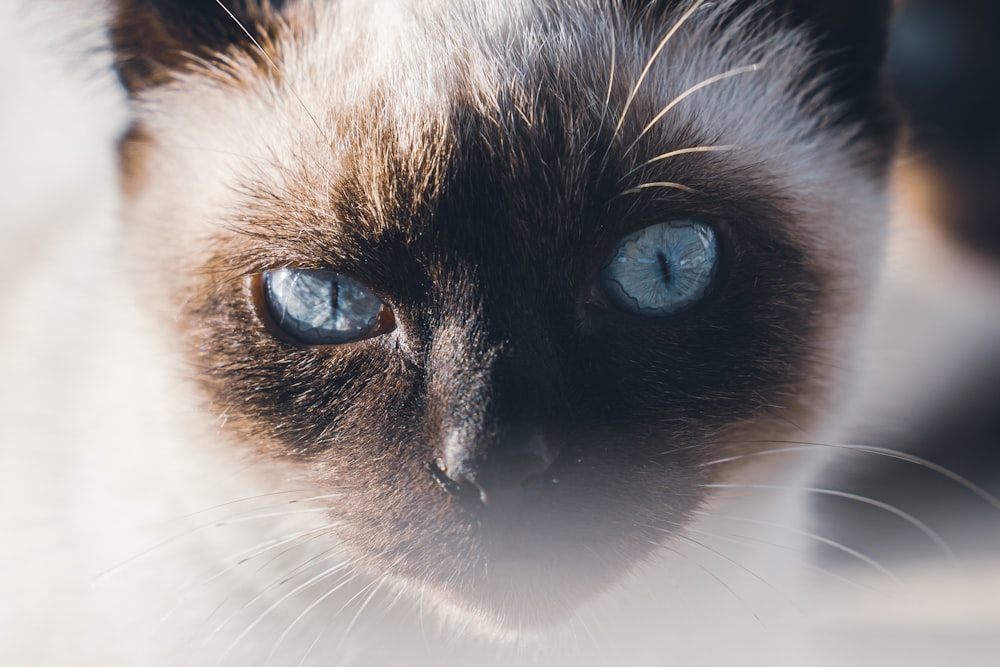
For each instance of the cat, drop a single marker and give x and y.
(452, 332)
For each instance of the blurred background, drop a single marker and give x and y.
(945, 67)
(934, 382)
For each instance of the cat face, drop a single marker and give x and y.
(503, 280)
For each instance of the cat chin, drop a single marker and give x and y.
(523, 601)
(510, 582)
(519, 616)
(527, 623)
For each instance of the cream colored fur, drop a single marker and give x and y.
(122, 524)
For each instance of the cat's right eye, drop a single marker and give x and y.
(317, 307)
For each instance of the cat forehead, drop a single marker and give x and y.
(409, 64)
(383, 94)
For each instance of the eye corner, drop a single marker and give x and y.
(263, 312)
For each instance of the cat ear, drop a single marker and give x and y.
(153, 40)
(853, 36)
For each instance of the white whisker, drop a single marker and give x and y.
(325, 496)
(879, 451)
(611, 80)
(664, 184)
(242, 558)
(722, 583)
(270, 162)
(892, 509)
(363, 606)
(305, 612)
(325, 574)
(744, 540)
(681, 151)
(753, 574)
(309, 650)
(219, 523)
(274, 67)
(746, 69)
(833, 544)
(286, 577)
(312, 534)
(228, 522)
(652, 60)
(584, 624)
(391, 604)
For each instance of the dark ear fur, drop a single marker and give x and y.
(852, 34)
(154, 39)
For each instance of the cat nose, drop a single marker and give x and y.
(495, 478)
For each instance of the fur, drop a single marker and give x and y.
(389, 186)
(474, 164)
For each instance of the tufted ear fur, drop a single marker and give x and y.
(852, 34)
(153, 40)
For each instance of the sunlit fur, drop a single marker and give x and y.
(360, 117)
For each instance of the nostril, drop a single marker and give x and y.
(499, 476)
(539, 454)
(454, 484)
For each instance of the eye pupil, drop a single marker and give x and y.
(662, 269)
(664, 266)
(316, 307)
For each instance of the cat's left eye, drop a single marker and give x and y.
(661, 270)
(317, 307)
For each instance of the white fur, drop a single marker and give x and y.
(112, 550)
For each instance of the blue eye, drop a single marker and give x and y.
(661, 270)
(317, 307)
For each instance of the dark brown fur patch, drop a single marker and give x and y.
(154, 40)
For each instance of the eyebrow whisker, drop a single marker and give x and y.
(705, 83)
(274, 67)
(679, 152)
(661, 184)
(652, 60)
